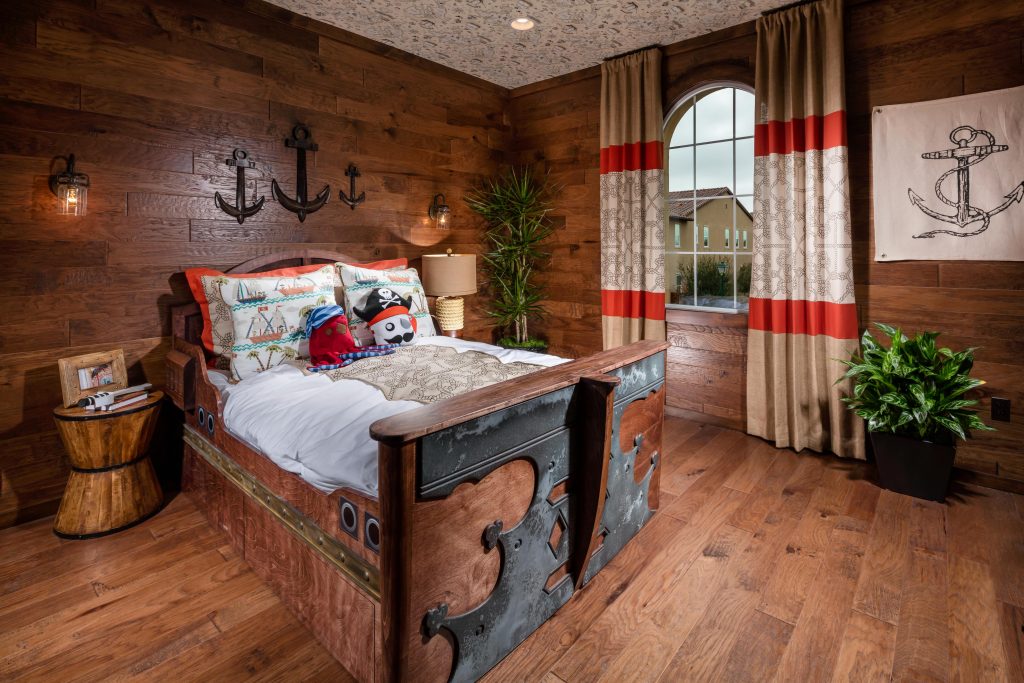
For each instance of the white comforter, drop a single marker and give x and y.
(320, 429)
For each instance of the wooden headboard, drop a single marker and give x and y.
(297, 257)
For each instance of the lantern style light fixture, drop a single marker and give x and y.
(440, 212)
(72, 190)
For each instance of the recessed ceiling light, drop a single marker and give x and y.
(522, 24)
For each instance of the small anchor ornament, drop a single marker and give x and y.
(301, 206)
(965, 156)
(241, 161)
(352, 172)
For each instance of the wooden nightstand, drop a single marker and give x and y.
(112, 484)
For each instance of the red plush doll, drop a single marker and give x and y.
(330, 342)
(329, 336)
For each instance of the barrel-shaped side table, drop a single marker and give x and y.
(112, 485)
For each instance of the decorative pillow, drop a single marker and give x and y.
(218, 331)
(367, 291)
(269, 317)
(205, 283)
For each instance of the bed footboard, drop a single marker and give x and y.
(499, 505)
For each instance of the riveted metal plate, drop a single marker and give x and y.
(639, 378)
(473, 449)
(363, 574)
(520, 601)
(626, 507)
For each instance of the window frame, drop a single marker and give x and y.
(696, 252)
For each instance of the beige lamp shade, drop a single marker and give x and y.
(449, 274)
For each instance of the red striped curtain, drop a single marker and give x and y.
(802, 311)
(632, 200)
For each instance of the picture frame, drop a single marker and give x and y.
(85, 375)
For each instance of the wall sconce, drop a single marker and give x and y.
(72, 190)
(440, 212)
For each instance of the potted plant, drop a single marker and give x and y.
(912, 396)
(515, 207)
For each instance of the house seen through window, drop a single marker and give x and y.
(710, 198)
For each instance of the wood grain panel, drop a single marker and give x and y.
(152, 97)
(890, 59)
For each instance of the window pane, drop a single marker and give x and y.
(711, 167)
(715, 280)
(683, 134)
(680, 169)
(745, 166)
(744, 113)
(714, 115)
(743, 262)
(679, 283)
(679, 235)
(714, 165)
(746, 201)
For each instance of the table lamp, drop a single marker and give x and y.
(449, 277)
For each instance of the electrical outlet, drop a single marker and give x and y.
(1001, 409)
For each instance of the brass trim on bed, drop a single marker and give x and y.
(364, 575)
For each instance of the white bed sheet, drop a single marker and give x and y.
(320, 429)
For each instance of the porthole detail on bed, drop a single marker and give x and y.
(371, 533)
(209, 423)
(201, 415)
(348, 518)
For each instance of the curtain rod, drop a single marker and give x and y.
(630, 52)
(791, 5)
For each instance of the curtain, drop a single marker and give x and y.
(632, 200)
(802, 311)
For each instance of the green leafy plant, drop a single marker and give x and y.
(710, 280)
(743, 279)
(515, 207)
(913, 388)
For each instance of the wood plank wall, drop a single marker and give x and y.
(152, 97)
(897, 51)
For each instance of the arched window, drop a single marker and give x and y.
(710, 134)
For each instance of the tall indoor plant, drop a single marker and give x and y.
(912, 396)
(515, 206)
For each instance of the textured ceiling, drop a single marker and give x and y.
(474, 36)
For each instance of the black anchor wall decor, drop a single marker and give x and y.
(240, 160)
(351, 199)
(301, 206)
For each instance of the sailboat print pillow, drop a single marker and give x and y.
(269, 317)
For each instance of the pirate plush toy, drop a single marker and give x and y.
(388, 316)
(331, 344)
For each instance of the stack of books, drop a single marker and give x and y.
(115, 400)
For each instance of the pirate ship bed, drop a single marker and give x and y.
(493, 507)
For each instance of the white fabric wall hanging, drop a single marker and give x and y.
(948, 178)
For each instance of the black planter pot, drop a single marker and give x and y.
(916, 468)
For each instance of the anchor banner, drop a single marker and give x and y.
(948, 178)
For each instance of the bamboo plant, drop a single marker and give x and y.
(515, 206)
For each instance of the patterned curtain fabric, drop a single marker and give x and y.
(802, 311)
(632, 200)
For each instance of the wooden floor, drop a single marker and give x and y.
(761, 564)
